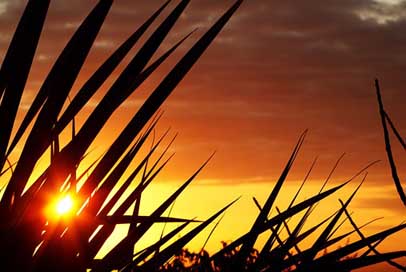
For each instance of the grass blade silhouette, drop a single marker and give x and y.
(61, 77)
(103, 72)
(388, 147)
(154, 263)
(361, 235)
(16, 66)
(113, 257)
(155, 100)
(262, 217)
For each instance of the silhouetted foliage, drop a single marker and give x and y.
(200, 262)
(31, 241)
(385, 120)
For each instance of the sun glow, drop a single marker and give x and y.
(64, 205)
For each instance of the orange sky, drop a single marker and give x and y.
(278, 68)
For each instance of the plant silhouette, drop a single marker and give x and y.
(385, 119)
(30, 241)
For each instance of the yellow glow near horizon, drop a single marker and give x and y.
(64, 205)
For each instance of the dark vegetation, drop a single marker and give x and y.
(385, 122)
(29, 241)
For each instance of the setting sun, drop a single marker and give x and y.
(64, 205)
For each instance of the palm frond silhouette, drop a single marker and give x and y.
(31, 241)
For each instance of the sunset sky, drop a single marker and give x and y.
(277, 69)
